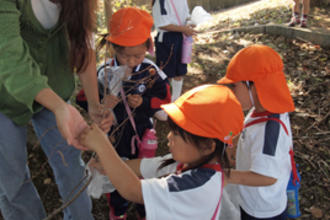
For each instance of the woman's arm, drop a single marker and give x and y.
(97, 112)
(120, 174)
(69, 121)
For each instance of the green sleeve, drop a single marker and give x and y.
(20, 78)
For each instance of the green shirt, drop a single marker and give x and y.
(31, 59)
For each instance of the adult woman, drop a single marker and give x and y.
(41, 43)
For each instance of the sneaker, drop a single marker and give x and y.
(294, 21)
(112, 216)
(303, 23)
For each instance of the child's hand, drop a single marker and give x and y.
(188, 31)
(102, 116)
(135, 100)
(93, 138)
(94, 163)
(110, 101)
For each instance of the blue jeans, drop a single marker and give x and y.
(18, 196)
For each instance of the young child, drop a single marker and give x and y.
(202, 122)
(297, 18)
(170, 18)
(146, 87)
(256, 76)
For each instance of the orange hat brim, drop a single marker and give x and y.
(274, 94)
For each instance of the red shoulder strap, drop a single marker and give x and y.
(259, 120)
(293, 163)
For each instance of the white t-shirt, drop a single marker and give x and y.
(46, 12)
(193, 194)
(164, 14)
(264, 149)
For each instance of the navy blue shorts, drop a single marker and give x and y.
(245, 216)
(168, 54)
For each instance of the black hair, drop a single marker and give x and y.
(200, 143)
(104, 41)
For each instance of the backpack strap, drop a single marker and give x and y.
(260, 120)
(129, 113)
(293, 163)
(176, 13)
(218, 205)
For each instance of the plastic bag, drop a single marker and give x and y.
(115, 76)
(100, 184)
(199, 16)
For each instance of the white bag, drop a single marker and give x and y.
(100, 184)
(199, 15)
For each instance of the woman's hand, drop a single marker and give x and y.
(70, 124)
(135, 100)
(102, 116)
(93, 138)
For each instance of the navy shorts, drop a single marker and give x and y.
(168, 54)
(245, 216)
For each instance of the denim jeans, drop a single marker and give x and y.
(18, 196)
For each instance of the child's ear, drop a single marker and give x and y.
(211, 149)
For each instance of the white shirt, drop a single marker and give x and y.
(193, 194)
(46, 12)
(264, 149)
(164, 14)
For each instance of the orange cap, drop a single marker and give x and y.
(262, 65)
(130, 27)
(209, 111)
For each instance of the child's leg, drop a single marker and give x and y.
(245, 216)
(305, 13)
(176, 83)
(118, 206)
(295, 19)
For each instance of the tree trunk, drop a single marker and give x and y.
(107, 11)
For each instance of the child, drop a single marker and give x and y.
(145, 89)
(170, 18)
(256, 76)
(297, 18)
(202, 122)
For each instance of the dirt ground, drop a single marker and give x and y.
(308, 72)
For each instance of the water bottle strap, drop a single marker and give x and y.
(293, 163)
(176, 13)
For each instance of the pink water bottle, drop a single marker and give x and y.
(148, 144)
(186, 49)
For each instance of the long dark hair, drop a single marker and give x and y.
(201, 143)
(79, 18)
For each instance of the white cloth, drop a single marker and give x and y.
(46, 12)
(192, 195)
(264, 149)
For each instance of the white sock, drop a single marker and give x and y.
(161, 115)
(176, 88)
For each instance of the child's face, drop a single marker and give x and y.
(182, 151)
(131, 56)
(242, 93)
